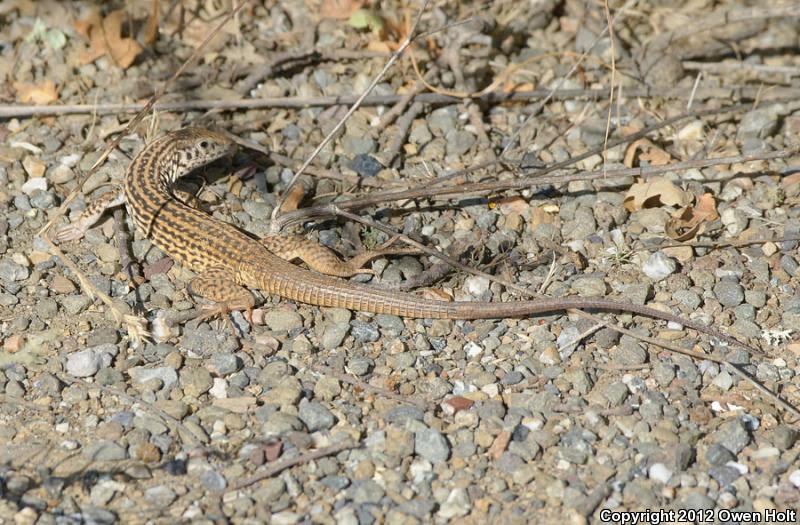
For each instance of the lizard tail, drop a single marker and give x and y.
(289, 281)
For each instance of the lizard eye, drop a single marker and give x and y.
(203, 144)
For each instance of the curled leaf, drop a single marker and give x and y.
(656, 191)
(647, 151)
(690, 221)
(105, 37)
(39, 94)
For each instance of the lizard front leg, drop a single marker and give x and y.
(92, 213)
(216, 284)
(324, 260)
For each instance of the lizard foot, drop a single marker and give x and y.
(69, 232)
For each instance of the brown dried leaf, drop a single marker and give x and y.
(339, 9)
(651, 153)
(39, 94)
(690, 221)
(105, 37)
(151, 30)
(656, 191)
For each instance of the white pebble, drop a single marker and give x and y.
(472, 349)
(476, 286)
(659, 266)
(70, 161)
(220, 388)
(84, 363)
(659, 472)
(33, 184)
(794, 478)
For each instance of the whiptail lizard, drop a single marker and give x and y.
(228, 261)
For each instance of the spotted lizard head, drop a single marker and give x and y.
(195, 147)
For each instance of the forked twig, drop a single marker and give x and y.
(279, 466)
(410, 37)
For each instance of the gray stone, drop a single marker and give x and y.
(732, 435)
(724, 475)
(359, 365)
(364, 332)
(281, 320)
(84, 363)
(659, 266)
(512, 378)
(315, 416)
(43, 200)
(616, 393)
(213, 481)
(367, 492)
(165, 374)
(160, 496)
(784, 437)
(459, 142)
(431, 445)
(195, 381)
(790, 265)
(257, 210)
(589, 286)
(270, 490)
(759, 123)
(442, 120)
(729, 293)
(629, 352)
(11, 271)
(718, 455)
(279, 423)
(105, 450)
(352, 146)
(403, 413)
(75, 304)
(223, 363)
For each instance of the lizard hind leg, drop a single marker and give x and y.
(324, 260)
(217, 285)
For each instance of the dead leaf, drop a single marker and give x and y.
(689, 222)
(151, 30)
(39, 94)
(105, 38)
(339, 9)
(650, 153)
(656, 191)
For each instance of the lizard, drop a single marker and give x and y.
(228, 262)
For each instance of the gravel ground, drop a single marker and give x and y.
(506, 421)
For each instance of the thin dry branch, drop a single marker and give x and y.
(758, 69)
(279, 466)
(412, 35)
(483, 188)
(727, 94)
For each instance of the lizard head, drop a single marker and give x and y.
(195, 147)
